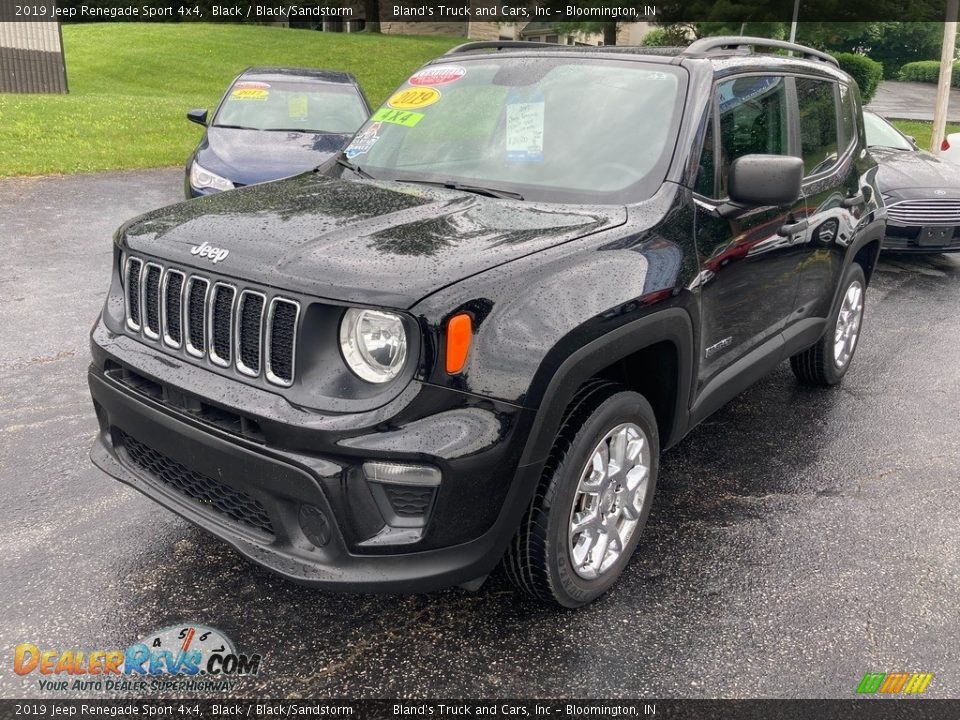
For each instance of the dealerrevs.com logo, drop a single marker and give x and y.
(189, 657)
(894, 683)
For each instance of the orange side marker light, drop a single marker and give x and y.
(459, 335)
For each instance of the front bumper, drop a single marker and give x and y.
(907, 239)
(293, 497)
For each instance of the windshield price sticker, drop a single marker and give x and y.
(438, 75)
(298, 106)
(525, 127)
(397, 117)
(251, 91)
(414, 98)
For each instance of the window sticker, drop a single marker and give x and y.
(397, 117)
(438, 75)
(414, 98)
(298, 106)
(364, 141)
(525, 126)
(248, 90)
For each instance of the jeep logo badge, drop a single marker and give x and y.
(208, 251)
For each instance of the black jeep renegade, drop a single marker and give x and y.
(469, 337)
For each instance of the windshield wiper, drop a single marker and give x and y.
(476, 189)
(342, 162)
(234, 127)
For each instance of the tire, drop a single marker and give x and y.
(821, 364)
(542, 556)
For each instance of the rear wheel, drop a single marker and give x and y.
(592, 501)
(828, 361)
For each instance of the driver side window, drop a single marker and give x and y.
(753, 120)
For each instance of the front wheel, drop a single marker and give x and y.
(828, 361)
(593, 499)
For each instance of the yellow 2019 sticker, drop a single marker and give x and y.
(414, 98)
(250, 94)
(397, 117)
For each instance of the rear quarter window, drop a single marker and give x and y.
(819, 140)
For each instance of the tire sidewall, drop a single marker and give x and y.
(571, 589)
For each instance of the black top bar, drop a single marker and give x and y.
(708, 45)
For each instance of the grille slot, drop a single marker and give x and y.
(196, 316)
(212, 319)
(925, 212)
(249, 331)
(205, 490)
(281, 340)
(221, 324)
(409, 501)
(172, 308)
(132, 294)
(151, 301)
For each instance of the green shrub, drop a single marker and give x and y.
(928, 71)
(868, 73)
(666, 36)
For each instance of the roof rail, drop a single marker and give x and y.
(712, 45)
(502, 45)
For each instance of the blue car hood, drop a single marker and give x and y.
(247, 157)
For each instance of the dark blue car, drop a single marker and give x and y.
(273, 123)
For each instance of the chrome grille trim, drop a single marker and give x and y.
(188, 306)
(210, 334)
(238, 333)
(268, 342)
(164, 295)
(925, 212)
(133, 324)
(145, 276)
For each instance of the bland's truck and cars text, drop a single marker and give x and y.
(469, 337)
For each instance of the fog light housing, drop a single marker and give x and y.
(404, 493)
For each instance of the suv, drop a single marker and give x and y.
(469, 337)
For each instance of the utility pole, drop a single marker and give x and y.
(946, 72)
(793, 25)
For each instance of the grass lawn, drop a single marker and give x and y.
(131, 84)
(921, 130)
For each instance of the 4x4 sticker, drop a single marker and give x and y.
(414, 98)
(363, 141)
(397, 117)
(438, 75)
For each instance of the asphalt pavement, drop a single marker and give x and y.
(912, 101)
(799, 539)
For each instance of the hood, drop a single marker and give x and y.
(905, 175)
(366, 242)
(247, 157)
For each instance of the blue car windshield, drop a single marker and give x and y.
(292, 105)
(550, 128)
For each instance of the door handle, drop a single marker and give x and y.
(852, 201)
(793, 228)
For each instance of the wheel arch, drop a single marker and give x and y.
(652, 355)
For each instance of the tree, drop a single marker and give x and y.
(372, 12)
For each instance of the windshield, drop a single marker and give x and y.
(880, 133)
(545, 128)
(300, 106)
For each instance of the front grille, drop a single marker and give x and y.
(204, 489)
(925, 212)
(409, 501)
(213, 320)
(132, 298)
(281, 340)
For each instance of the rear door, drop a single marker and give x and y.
(834, 201)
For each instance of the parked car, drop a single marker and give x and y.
(273, 123)
(471, 336)
(921, 191)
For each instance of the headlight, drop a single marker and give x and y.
(373, 343)
(200, 177)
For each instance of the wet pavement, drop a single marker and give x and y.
(912, 101)
(799, 538)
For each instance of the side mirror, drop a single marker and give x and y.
(199, 116)
(911, 138)
(757, 180)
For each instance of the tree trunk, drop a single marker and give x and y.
(372, 11)
(610, 33)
